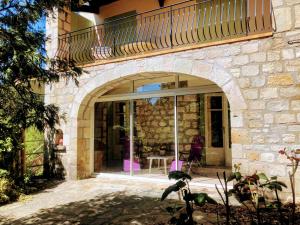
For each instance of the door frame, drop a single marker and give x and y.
(226, 160)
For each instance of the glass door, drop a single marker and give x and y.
(154, 148)
(215, 129)
(111, 137)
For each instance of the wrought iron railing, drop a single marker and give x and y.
(182, 24)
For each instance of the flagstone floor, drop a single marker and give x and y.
(106, 199)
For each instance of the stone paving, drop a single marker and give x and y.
(97, 201)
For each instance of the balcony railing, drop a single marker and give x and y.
(184, 24)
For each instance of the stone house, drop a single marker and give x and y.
(160, 73)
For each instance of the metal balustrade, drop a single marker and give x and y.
(183, 24)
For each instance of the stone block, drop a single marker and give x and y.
(244, 82)
(288, 138)
(268, 93)
(258, 81)
(292, 2)
(250, 70)
(236, 72)
(289, 92)
(272, 138)
(292, 65)
(258, 57)
(250, 47)
(277, 170)
(285, 118)
(295, 105)
(277, 3)
(288, 54)
(250, 93)
(283, 79)
(269, 118)
(237, 151)
(294, 128)
(297, 16)
(240, 60)
(258, 139)
(267, 157)
(272, 67)
(253, 156)
(278, 105)
(273, 55)
(257, 104)
(240, 136)
(283, 18)
(192, 132)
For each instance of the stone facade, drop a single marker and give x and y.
(260, 78)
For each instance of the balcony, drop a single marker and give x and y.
(178, 27)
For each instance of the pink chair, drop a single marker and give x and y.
(126, 165)
(173, 165)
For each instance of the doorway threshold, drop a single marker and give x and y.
(201, 182)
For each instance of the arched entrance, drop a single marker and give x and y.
(192, 80)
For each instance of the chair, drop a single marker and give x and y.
(195, 154)
(173, 165)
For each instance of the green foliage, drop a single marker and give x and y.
(23, 67)
(173, 188)
(201, 199)
(8, 190)
(4, 173)
(177, 175)
(182, 187)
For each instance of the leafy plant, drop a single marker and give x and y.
(190, 199)
(294, 159)
(251, 190)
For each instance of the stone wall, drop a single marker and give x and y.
(260, 78)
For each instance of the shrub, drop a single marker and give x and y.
(8, 190)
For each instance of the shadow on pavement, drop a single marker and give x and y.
(114, 208)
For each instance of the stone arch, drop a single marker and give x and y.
(80, 113)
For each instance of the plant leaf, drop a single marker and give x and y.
(211, 200)
(172, 188)
(263, 176)
(177, 175)
(200, 199)
(231, 177)
(238, 175)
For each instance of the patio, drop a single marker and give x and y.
(90, 201)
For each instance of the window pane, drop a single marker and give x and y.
(154, 134)
(216, 129)
(111, 133)
(216, 102)
(154, 83)
(192, 81)
(191, 129)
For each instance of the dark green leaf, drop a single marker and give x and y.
(177, 175)
(200, 199)
(211, 200)
(238, 176)
(173, 188)
(231, 177)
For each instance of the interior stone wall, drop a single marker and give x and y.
(155, 121)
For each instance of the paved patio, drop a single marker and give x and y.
(101, 200)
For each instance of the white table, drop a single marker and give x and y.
(158, 158)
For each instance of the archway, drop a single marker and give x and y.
(82, 109)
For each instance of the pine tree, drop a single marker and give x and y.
(23, 60)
